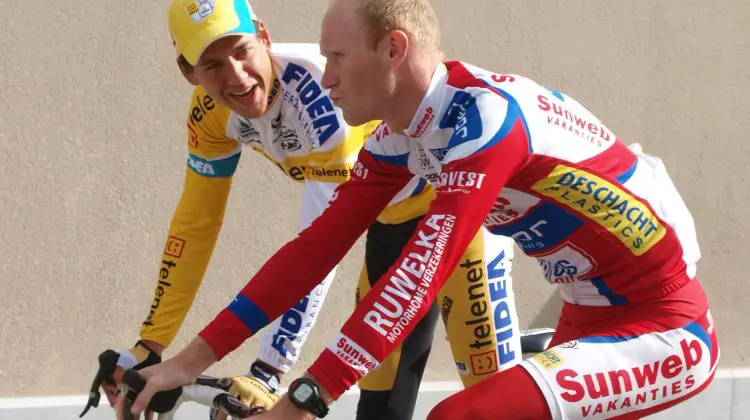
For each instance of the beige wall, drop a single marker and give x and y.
(91, 162)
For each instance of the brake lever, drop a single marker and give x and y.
(161, 402)
(232, 406)
(107, 365)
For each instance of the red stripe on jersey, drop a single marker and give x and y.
(460, 77)
(612, 162)
(402, 296)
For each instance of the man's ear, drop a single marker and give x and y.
(398, 46)
(262, 33)
(187, 71)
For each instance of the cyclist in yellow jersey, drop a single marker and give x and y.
(268, 97)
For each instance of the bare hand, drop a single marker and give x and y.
(183, 369)
(162, 377)
(112, 391)
(284, 410)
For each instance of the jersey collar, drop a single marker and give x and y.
(428, 109)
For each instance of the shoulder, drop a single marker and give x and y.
(205, 116)
(386, 146)
(480, 109)
(211, 152)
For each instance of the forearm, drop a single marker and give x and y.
(196, 357)
(284, 339)
(411, 283)
(192, 236)
(299, 265)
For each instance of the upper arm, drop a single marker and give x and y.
(212, 158)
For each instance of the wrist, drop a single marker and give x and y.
(327, 397)
(287, 409)
(306, 394)
(267, 373)
(152, 346)
(196, 357)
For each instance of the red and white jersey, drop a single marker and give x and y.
(604, 220)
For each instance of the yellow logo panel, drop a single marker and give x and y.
(623, 215)
(548, 359)
(336, 173)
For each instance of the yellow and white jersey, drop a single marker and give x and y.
(302, 132)
(307, 138)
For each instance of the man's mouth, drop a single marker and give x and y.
(244, 93)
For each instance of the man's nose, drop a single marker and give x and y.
(236, 71)
(329, 79)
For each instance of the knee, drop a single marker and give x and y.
(449, 409)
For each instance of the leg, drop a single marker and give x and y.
(626, 369)
(405, 369)
(478, 308)
(390, 391)
(507, 395)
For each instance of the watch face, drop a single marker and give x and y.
(303, 392)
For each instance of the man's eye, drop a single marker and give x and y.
(244, 52)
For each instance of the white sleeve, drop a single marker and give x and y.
(283, 338)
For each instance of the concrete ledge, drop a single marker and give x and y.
(728, 398)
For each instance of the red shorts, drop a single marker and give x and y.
(612, 361)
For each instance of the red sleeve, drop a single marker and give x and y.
(398, 300)
(300, 264)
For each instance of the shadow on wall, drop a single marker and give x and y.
(550, 313)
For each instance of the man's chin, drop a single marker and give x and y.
(248, 111)
(353, 120)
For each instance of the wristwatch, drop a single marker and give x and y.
(304, 394)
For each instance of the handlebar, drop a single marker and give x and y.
(206, 391)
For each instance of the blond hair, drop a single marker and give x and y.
(415, 17)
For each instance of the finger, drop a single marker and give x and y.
(112, 392)
(149, 415)
(120, 407)
(144, 397)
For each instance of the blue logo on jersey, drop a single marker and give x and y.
(501, 313)
(440, 153)
(318, 106)
(544, 228)
(291, 324)
(463, 116)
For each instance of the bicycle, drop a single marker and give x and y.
(214, 393)
(207, 391)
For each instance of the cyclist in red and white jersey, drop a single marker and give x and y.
(267, 96)
(604, 220)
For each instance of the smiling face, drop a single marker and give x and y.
(236, 71)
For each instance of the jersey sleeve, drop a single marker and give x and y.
(283, 339)
(399, 299)
(301, 264)
(327, 166)
(211, 162)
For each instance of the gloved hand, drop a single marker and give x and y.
(112, 364)
(258, 389)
